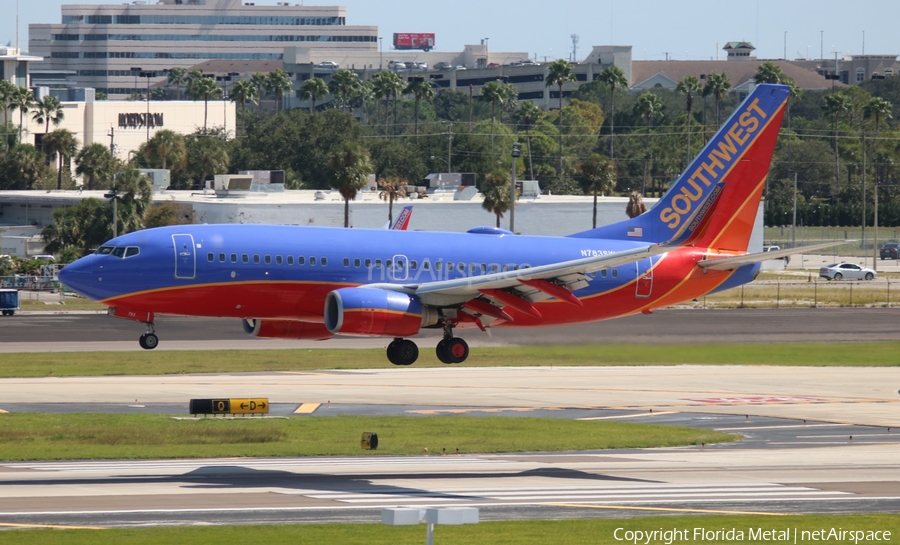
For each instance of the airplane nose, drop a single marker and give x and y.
(77, 275)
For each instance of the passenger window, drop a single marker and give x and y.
(245, 258)
(368, 263)
(132, 251)
(615, 273)
(278, 260)
(603, 273)
(209, 257)
(389, 264)
(301, 260)
(377, 263)
(312, 262)
(268, 259)
(449, 266)
(290, 260)
(413, 265)
(346, 261)
(483, 268)
(256, 258)
(221, 258)
(324, 261)
(473, 268)
(439, 265)
(234, 258)
(495, 268)
(356, 262)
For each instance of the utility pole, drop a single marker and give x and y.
(794, 222)
(112, 139)
(516, 151)
(449, 145)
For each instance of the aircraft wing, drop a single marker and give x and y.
(728, 263)
(567, 275)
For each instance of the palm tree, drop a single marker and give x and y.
(768, 72)
(242, 92)
(392, 188)
(205, 88)
(166, 149)
(341, 86)
(387, 84)
(94, 161)
(495, 190)
(613, 77)
(7, 91)
(880, 109)
(648, 106)
(176, 77)
(493, 92)
(135, 195)
(349, 167)
(22, 100)
(313, 89)
(717, 85)
(835, 105)
(420, 89)
(528, 115)
(63, 143)
(559, 72)
(207, 155)
(688, 86)
(278, 82)
(510, 98)
(598, 175)
(25, 166)
(259, 81)
(48, 110)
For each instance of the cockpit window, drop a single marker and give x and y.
(105, 249)
(118, 251)
(121, 252)
(132, 251)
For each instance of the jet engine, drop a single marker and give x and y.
(373, 312)
(285, 329)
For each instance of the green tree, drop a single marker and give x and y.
(206, 155)
(388, 85)
(83, 227)
(166, 150)
(313, 89)
(22, 168)
(341, 87)
(648, 106)
(392, 188)
(135, 195)
(22, 100)
(7, 92)
(167, 213)
(495, 190)
(717, 86)
(259, 81)
(94, 162)
(835, 105)
(205, 88)
(419, 88)
(176, 76)
(612, 77)
(768, 72)
(48, 110)
(527, 116)
(278, 82)
(688, 86)
(242, 92)
(493, 93)
(349, 167)
(559, 72)
(598, 175)
(64, 144)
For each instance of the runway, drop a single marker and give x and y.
(817, 440)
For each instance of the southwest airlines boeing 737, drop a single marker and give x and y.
(294, 282)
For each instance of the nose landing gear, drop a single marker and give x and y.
(149, 340)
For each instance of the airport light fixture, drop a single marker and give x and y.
(411, 516)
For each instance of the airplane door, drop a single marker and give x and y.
(185, 256)
(644, 285)
(400, 268)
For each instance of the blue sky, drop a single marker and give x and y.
(690, 29)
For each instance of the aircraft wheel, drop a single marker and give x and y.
(457, 350)
(406, 352)
(442, 353)
(148, 341)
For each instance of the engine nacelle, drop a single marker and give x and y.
(286, 329)
(373, 312)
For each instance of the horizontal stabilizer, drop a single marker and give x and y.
(729, 263)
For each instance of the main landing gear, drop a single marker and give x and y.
(450, 350)
(149, 340)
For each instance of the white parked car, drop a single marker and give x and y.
(846, 271)
(396, 65)
(328, 65)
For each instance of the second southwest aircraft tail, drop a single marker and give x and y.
(715, 201)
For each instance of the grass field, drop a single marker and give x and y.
(39, 436)
(875, 354)
(536, 532)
